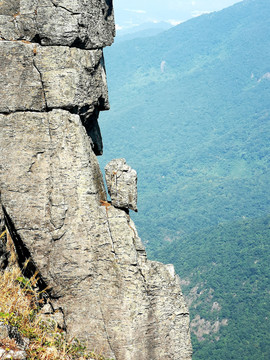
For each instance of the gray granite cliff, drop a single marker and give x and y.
(53, 200)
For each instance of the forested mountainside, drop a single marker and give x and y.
(225, 272)
(190, 111)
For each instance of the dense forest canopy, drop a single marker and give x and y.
(190, 111)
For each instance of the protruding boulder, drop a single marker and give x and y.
(121, 182)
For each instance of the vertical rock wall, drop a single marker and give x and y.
(53, 85)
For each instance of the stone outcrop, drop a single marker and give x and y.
(77, 23)
(87, 251)
(42, 78)
(121, 182)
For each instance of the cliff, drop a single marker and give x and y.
(87, 252)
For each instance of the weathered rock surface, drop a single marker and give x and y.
(90, 255)
(86, 250)
(39, 78)
(71, 78)
(79, 23)
(20, 80)
(121, 182)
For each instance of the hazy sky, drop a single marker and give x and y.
(129, 13)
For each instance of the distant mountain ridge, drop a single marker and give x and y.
(141, 31)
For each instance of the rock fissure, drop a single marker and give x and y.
(143, 277)
(34, 160)
(6, 113)
(42, 82)
(58, 237)
(51, 174)
(64, 8)
(20, 191)
(105, 329)
(25, 261)
(37, 40)
(109, 228)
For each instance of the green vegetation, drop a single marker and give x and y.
(198, 133)
(190, 112)
(226, 271)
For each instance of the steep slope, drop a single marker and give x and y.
(190, 109)
(225, 273)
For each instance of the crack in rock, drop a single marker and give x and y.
(42, 83)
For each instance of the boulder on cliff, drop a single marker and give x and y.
(121, 182)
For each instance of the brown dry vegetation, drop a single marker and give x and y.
(20, 304)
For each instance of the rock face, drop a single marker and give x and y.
(122, 184)
(54, 204)
(42, 78)
(77, 23)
